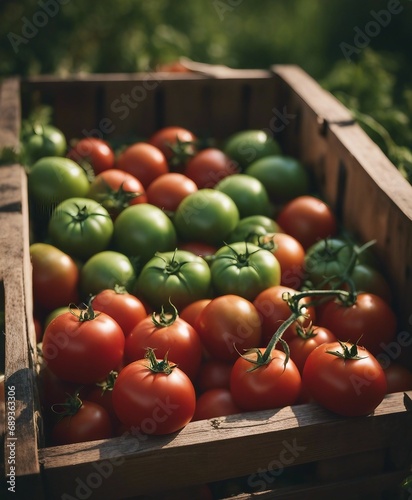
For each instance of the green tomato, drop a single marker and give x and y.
(142, 230)
(327, 261)
(104, 270)
(53, 179)
(80, 227)
(247, 192)
(246, 146)
(250, 228)
(180, 276)
(284, 177)
(244, 269)
(39, 141)
(207, 216)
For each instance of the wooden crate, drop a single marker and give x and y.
(370, 454)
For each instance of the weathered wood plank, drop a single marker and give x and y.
(15, 275)
(130, 465)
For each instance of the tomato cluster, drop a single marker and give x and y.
(174, 282)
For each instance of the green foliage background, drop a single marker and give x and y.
(134, 35)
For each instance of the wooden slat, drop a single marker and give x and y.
(220, 448)
(15, 275)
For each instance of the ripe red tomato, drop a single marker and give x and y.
(116, 190)
(308, 219)
(177, 144)
(169, 335)
(210, 166)
(290, 255)
(168, 190)
(143, 161)
(101, 394)
(88, 422)
(96, 152)
(272, 385)
(83, 347)
(273, 311)
(215, 403)
(192, 310)
(371, 322)
(305, 340)
(122, 306)
(213, 374)
(229, 324)
(349, 386)
(154, 396)
(55, 277)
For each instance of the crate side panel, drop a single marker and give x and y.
(196, 454)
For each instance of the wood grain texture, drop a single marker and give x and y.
(220, 448)
(15, 274)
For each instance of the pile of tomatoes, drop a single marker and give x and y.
(176, 280)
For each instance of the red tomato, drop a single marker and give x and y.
(215, 403)
(143, 161)
(153, 396)
(347, 386)
(229, 324)
(101, 394)
(191, 311)
(55, 277)
(273, 311)
(210, 166)
(398, 378)
(272, 385)
(168, 190)
(304, 341)
(89, 422)
(122, 306)
(307, 219)
(95, 151)
(168, 335)
(290, 255)
(117, 190)
(371, 322)
(177, 144)
(213, 374)
(77, 349)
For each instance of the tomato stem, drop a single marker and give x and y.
(163, 319)
(156, 366)
(70, 407)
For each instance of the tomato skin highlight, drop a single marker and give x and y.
(83, 351)
(168, 190)
(370, 321)
(179, 341)
(122, 306)
(348, 387)
(95, 151)
(55, 277)
(157, 403)
(307, 219)
(269, 386)
(228, 324)
(209, 166)
(144, 161)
